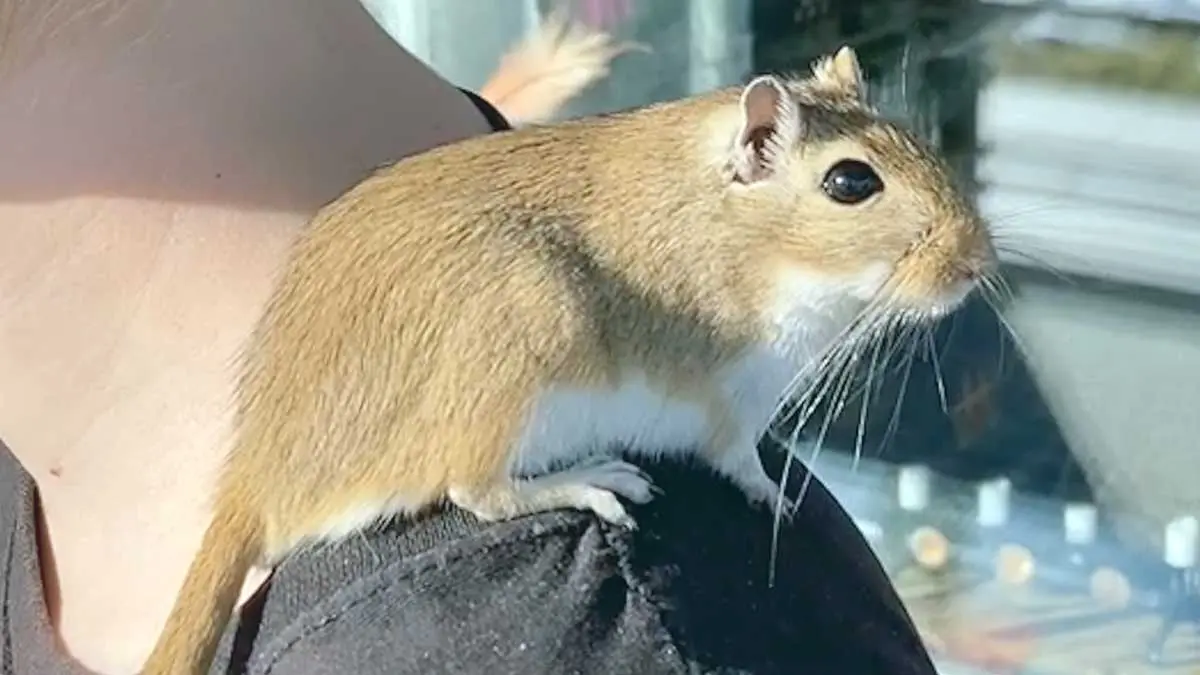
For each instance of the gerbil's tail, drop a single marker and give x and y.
(232, 545)
(549, 67)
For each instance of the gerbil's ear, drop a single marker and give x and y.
(840, 74)
(770, 126)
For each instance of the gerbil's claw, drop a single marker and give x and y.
(765, 493)
(596, 484)
(623, 478)
(614, 475)
(786, 510)
(593, 486)
(786, 506)
(606, 505)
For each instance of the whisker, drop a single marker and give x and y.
(895, 343)
(861, 324)
(844, 377)
(993, 283)
(838, 358)
(1032, 250)
(997, 286)
(789, 444)
(998, 221)
(893, 422)
(1012, 333)
(812, 368)
(937, 369)
(1040, 263)
(866, 405)
(820, 387)
(831, 369)
(1001, 281)
(1002, 338)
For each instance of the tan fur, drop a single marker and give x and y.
(550, 66)
(423, 310)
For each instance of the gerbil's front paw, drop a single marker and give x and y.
(767, 493)
(743, 467)
(591, 486)
(596, 483)
(622, 478)
(785, 507)
(606, 506)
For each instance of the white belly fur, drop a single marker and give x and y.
(569, 424)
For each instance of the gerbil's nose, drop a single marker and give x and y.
(946, 267)
(984, 262)
(978, 258)
(974, 269)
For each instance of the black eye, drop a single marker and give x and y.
(851, 181)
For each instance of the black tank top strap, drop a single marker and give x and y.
(489, 112)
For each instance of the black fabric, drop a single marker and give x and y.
(489, 112)
(562, 593)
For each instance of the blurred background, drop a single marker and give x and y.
(1076, 123)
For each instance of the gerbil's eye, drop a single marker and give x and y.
(851, 181)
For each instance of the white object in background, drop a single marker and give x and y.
(871, 530)
(1180, 542)
(913, 487)
(1080, 523)
(993, 504)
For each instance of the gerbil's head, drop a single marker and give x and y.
(842, 203)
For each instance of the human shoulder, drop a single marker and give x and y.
(541, 595)
(689, 591)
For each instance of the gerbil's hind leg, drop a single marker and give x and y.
(589, 487)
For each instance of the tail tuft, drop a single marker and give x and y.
(549, 67)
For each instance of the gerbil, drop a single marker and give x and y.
(522, 303)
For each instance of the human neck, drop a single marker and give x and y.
(118, 333)
(115, 370)
(147, 201)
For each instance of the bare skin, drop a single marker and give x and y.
(151, 178)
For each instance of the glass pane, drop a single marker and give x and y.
(1028, 470)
